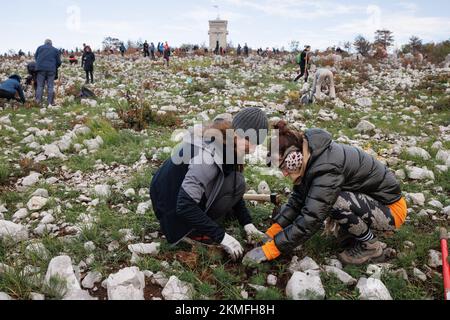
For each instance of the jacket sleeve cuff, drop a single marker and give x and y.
(271, 251)
(220, 236)
(274, 230)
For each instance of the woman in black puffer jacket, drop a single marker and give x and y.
(88, 64)
(333, 181)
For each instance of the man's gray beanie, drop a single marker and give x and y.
(252, 118)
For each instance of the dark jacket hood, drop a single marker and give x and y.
(318, 141)
(16, 77)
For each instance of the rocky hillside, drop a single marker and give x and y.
(76, 221)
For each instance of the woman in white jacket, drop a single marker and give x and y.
(323, 84)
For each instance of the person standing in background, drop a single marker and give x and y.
(48, 60)
(88, 64)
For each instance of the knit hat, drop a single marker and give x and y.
(252, 118)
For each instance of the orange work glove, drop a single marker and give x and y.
(274, 230)
(271, 251)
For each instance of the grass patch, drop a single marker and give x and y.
(5, 172)
(336, 290)
(227, 282)
(269, 294)
(427, 240)
(17, 284)
(401, 289)
(141, 179)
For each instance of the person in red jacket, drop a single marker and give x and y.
(73, 59)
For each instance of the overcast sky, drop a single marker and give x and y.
(260, 23)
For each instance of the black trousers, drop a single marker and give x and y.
(7, 95)
(90, 76)
(303, 72)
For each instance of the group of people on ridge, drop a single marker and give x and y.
(43, 72)
(163, 49)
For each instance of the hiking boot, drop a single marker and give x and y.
(345, 240)
(362, 252)
(388, 253)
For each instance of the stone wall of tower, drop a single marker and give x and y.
(218, 31)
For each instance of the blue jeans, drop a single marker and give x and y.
(42, 77)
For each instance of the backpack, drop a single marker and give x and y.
(299, 59)
(31, 68)
(86, 93)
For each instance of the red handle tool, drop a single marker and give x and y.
(445, 264)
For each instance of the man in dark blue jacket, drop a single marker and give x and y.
(11, 87)
(48, 60)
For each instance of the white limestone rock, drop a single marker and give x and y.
(372, 289)
(127, 284)
(303, 286)
(178, 290)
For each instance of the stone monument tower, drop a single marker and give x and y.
(218, 32)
